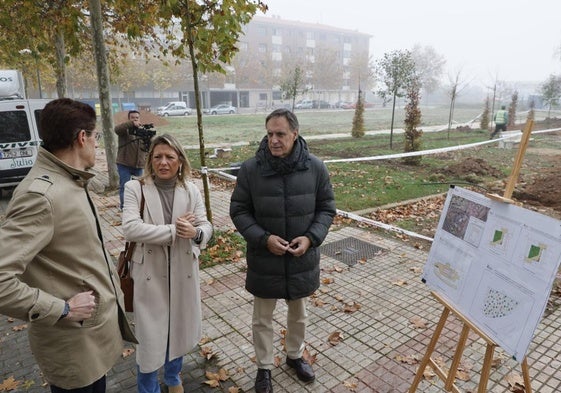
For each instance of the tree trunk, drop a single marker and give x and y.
(195, 68)
(393, 116)
(61, 64)
(104, 87)
(451, 114)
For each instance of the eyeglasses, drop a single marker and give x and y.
(97, 135)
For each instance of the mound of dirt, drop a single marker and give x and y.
(544, 189)
(471, 167)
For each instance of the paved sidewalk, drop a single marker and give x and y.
(370, 305)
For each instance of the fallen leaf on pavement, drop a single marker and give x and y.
(212, 383)
(429, 373)
(418, 322)
(9, 384)
(351, 385)
(408, 359)
(333, 269)
(207, 353)
(335, 338)
(516, 382)
(204, 340)
(308, 357)
(318, 302)
(350, 308)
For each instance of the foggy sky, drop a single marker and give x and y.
(485, 40)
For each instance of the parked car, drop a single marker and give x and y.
(320, 104)
(177, 108)
(220, 109)
(339, 104)
(346, 105)
(304, 104)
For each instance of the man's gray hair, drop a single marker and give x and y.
(288, 115)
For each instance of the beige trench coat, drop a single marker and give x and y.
(164, 292)
(52, 249)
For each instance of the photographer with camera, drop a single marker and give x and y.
(133, 143)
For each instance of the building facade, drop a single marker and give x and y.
(331, 60)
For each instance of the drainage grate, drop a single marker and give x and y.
(350, 250)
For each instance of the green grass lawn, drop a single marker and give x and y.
(227, 129)
(366, 184)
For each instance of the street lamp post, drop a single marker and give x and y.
(35, 56)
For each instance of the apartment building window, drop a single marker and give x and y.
(262, 48)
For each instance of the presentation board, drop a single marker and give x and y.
(495, 262)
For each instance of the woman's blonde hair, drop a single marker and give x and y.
(184, 166)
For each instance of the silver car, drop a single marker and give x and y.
(221, 109)
(175, 110)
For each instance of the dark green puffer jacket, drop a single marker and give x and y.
(300, 203)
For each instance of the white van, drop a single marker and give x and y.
(174, 108)
(19, 129)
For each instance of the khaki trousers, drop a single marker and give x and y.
(262, 323)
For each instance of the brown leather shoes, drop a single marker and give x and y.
(263, 382)
(304, 371)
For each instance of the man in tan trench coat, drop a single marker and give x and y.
(54, 270)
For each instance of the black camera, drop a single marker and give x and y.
(145, 134)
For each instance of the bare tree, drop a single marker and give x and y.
(456, 87)
(327, 72)
(395, 70)
(551, 92)
(293, 85)
(361, 70)
(429, 66)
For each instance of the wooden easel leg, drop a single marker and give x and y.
(457, 358)
(526, 376)
(486, 370)
(430, 349)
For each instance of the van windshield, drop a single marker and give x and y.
(14, 127)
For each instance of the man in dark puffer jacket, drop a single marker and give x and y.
(283, 205)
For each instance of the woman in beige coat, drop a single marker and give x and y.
(165, 270)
